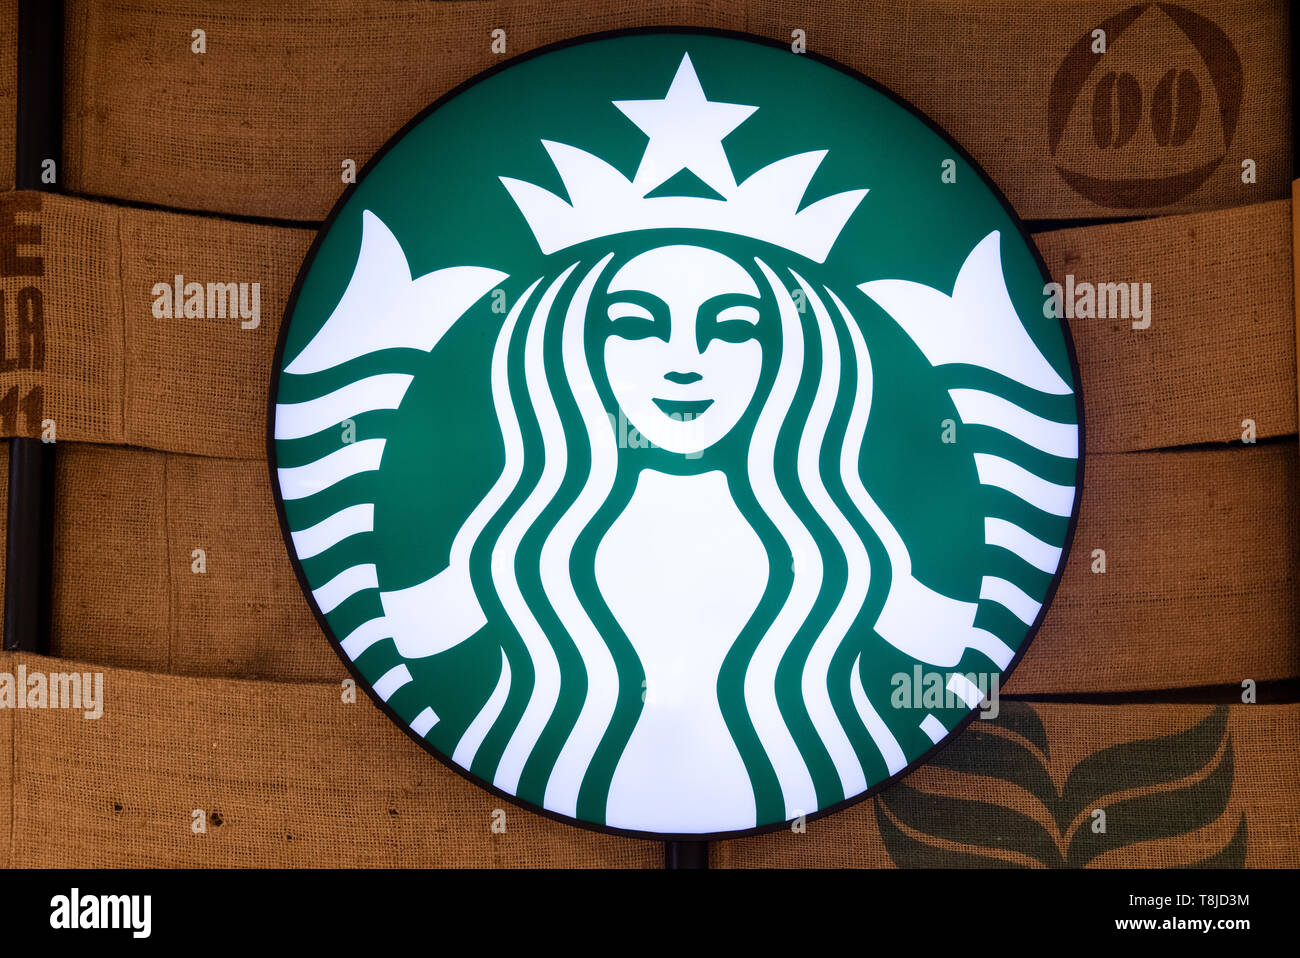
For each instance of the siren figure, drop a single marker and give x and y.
(679, 561)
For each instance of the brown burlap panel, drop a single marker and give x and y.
(1201, 546)
(1218, 350)
(286, 775)
(1179, 785)
(1201, 550)
(1295, 268)
(6, 785)
(113, 371)
(126, 591)
(1221, 346)
(294, 775)
(1017, 85)
(8, 90)
(314, 83)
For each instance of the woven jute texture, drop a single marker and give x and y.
(115, 373)
(1295, 268)
(296, 775)
(221, 695)
(1217, 351)
(1179, 785)
(1201, 552)
(286, 92)
(8, 89)
(285, 774)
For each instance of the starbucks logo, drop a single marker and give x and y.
(651, 409)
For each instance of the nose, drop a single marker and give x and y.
(683, 379)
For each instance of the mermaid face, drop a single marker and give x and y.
(682, 355)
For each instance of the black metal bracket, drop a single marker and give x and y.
(683, 855)
(29, 544)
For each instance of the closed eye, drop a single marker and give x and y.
(618, 311)
(733, 323)
(635, 321)
(739, 313)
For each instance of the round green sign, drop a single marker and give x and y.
(668, 432)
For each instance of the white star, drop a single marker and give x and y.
(686, 132)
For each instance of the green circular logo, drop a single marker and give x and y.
(668, 433)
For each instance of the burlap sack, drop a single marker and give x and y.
(1200, 554)
(1221, 346)
(115, 373)
(1017, 85)
(314, 83)
(1179, 786)
(294, 775)
(1295, 269)
(8, 89)
(1200, 545)
(285, 774)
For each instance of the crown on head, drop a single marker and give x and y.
(686, 132)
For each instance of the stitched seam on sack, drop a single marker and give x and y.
(85, 43)
(167, 556)
(13, 788)
(121, 436)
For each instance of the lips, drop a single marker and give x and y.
(683, 408)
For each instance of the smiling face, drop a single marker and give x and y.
(682, 355)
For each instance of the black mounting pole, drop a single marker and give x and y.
(1294, 22)
(29, 547)
(686, 855)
